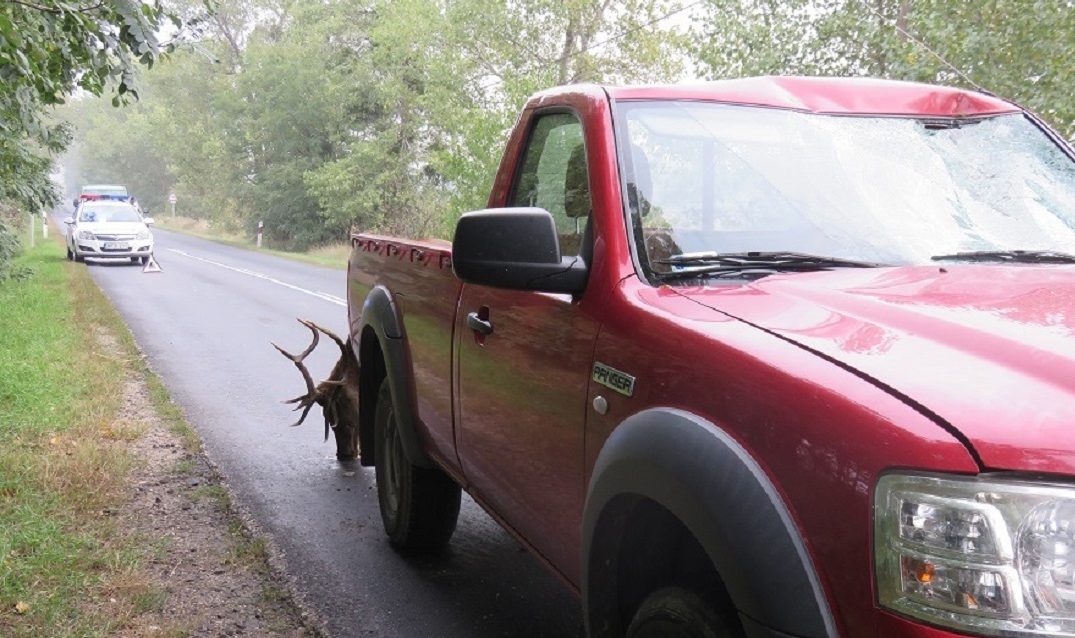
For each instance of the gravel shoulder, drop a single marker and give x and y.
(210, 576)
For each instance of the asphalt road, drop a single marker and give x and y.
(205, 323)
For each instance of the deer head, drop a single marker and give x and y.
(337, 395)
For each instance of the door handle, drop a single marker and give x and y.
(483, 327)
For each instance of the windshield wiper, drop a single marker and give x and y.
(759, 259)
(753, 264)
(939, 124)
(1011, 256)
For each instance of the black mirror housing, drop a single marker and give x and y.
(514, 248)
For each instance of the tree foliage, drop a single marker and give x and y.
(390, 115)
(50, 49)
(380, 114)
(1019, 49)
(47, 51)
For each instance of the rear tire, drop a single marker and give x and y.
(674, 611)
(419, 506)
(143, 260)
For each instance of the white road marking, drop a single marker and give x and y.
(339, 301)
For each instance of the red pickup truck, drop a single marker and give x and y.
(763, 357)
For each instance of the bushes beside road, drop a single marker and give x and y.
(9, 239)
(9, 248)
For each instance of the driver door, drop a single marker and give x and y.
(522, 388)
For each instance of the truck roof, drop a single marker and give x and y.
(844, 96)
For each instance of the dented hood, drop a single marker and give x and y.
(990, 349)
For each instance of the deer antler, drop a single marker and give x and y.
(305, 401)
(329, 334)
(337, 395)
(314, 393)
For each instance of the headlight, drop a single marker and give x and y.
(85, 234)
(991, 556)
(143, 235)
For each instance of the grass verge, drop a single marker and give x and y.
(330, 256)
(63, 460)
(78, 555)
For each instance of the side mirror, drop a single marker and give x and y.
(147, 220)
(69, 220)
(514, 248)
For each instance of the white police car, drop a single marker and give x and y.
(108, 229)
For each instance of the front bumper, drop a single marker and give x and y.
(129, 248)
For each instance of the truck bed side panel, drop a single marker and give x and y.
(419, 276)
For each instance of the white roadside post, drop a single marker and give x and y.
(171, 200)
(31, 230)
(44, 225)
(261, 226)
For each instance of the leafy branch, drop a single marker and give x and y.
(63, 8)
(48, 51)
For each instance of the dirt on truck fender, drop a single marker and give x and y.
(764, 357)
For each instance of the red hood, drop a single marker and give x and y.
(989, 349)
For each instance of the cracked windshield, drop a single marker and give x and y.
(889, 190)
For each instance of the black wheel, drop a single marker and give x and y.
(79, 258)
(70, 255)
(135, 260)
(674, 611)
(419, 506)
(143, 260)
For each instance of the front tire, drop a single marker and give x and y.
(70, 255)
(419, 506)
(674, 611)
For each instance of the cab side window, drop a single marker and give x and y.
(553, 175)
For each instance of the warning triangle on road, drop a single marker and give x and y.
(152, 265)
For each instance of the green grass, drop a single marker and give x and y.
(184, 467)
(36, 347)
(66, 568)
(251, 552)
(61, 460)
(215, 493)
(167, 409)
(330, 256)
